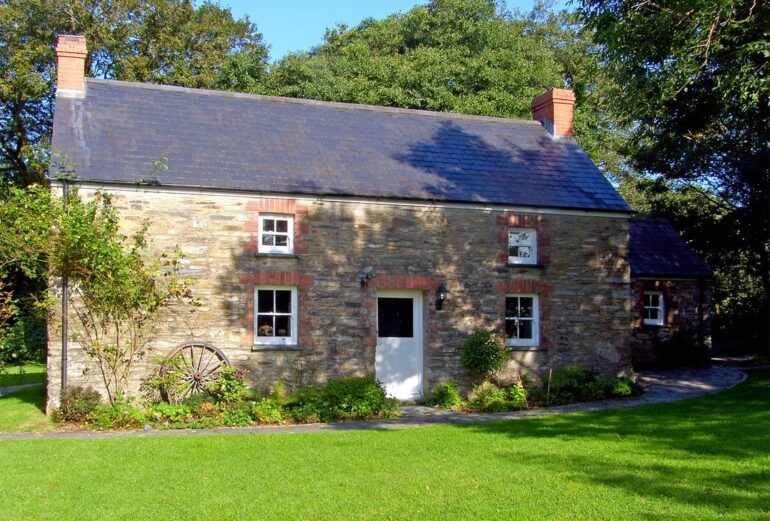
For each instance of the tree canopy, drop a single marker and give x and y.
(694, 75)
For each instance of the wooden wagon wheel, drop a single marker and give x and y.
(195, 365)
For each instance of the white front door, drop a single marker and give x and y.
(398, 359)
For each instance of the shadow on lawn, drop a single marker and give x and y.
(31, 395)
(680, 447)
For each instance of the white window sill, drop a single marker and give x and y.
(275, 347)
(525, 348)
(277, 254)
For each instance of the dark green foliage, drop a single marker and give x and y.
(237, 414)
(268, 411)
(77, 404)
(230, 386)
(354, 397)
(446, 396)
(483, 353)
(24, 341)
(579, 384)
(695, 83)
(118, 416)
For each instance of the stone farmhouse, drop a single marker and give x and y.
(332, 239)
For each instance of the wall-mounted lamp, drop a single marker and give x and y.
(441, 293)
(368, 274)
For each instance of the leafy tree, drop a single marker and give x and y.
(118, 291)
(159, 41)
(695, 78)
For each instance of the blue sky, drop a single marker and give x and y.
(295, 25)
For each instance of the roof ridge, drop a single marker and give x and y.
(313, 102)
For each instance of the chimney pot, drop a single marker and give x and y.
(71, 55)
(555, 110)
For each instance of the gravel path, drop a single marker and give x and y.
(660, 387)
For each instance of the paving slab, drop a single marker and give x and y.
(660, 387)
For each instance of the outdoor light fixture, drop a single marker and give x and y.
(368, 274)
(441, 293)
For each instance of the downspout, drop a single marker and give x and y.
(64, 307)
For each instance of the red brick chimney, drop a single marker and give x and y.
(554, 110)
(71, 55)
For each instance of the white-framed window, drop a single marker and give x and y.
(276, 234)
(654, 309)
(522, 246)
(275, 315)
(522, 320)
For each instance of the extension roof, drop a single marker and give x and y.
(655, 249)
(268, 144)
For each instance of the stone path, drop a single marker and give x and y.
(13, 388)
(660, 387)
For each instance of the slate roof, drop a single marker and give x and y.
(267, 144)
(655, 249)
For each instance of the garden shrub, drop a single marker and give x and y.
(118, 416)
(483, 353)
(268, 410)
(354, 397)
(487, 397)
(237, 414)
(577, 383)
(517, 396)
(171, 415)
(571, 384)
(304, 405)
(77, 404)
(445, 396)
(230, 386)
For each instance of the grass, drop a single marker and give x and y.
(22, 374)
(707, 458)
(23, 411)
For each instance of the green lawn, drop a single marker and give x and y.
(22, 411)
(22, 374)
(707, 458)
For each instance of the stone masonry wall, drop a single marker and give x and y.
(582, 278)
(687, 308)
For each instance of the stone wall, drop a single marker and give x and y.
(582, 277)
(687, 310)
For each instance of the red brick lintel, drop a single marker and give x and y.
(523, 286)
(404, 282)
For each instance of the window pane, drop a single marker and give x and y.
(510, 328)
(281, 226)
(525, 307)
(264, 325)
(654, 314)
(283, 301)
(265, 301)
(647, 313)
(525, 329)
(520, 238)
(268, 225)
(521, 252)
(268, 240)
(282, 324)
(281, 240)
(511, 305)
(395, 317)
(654, 300)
